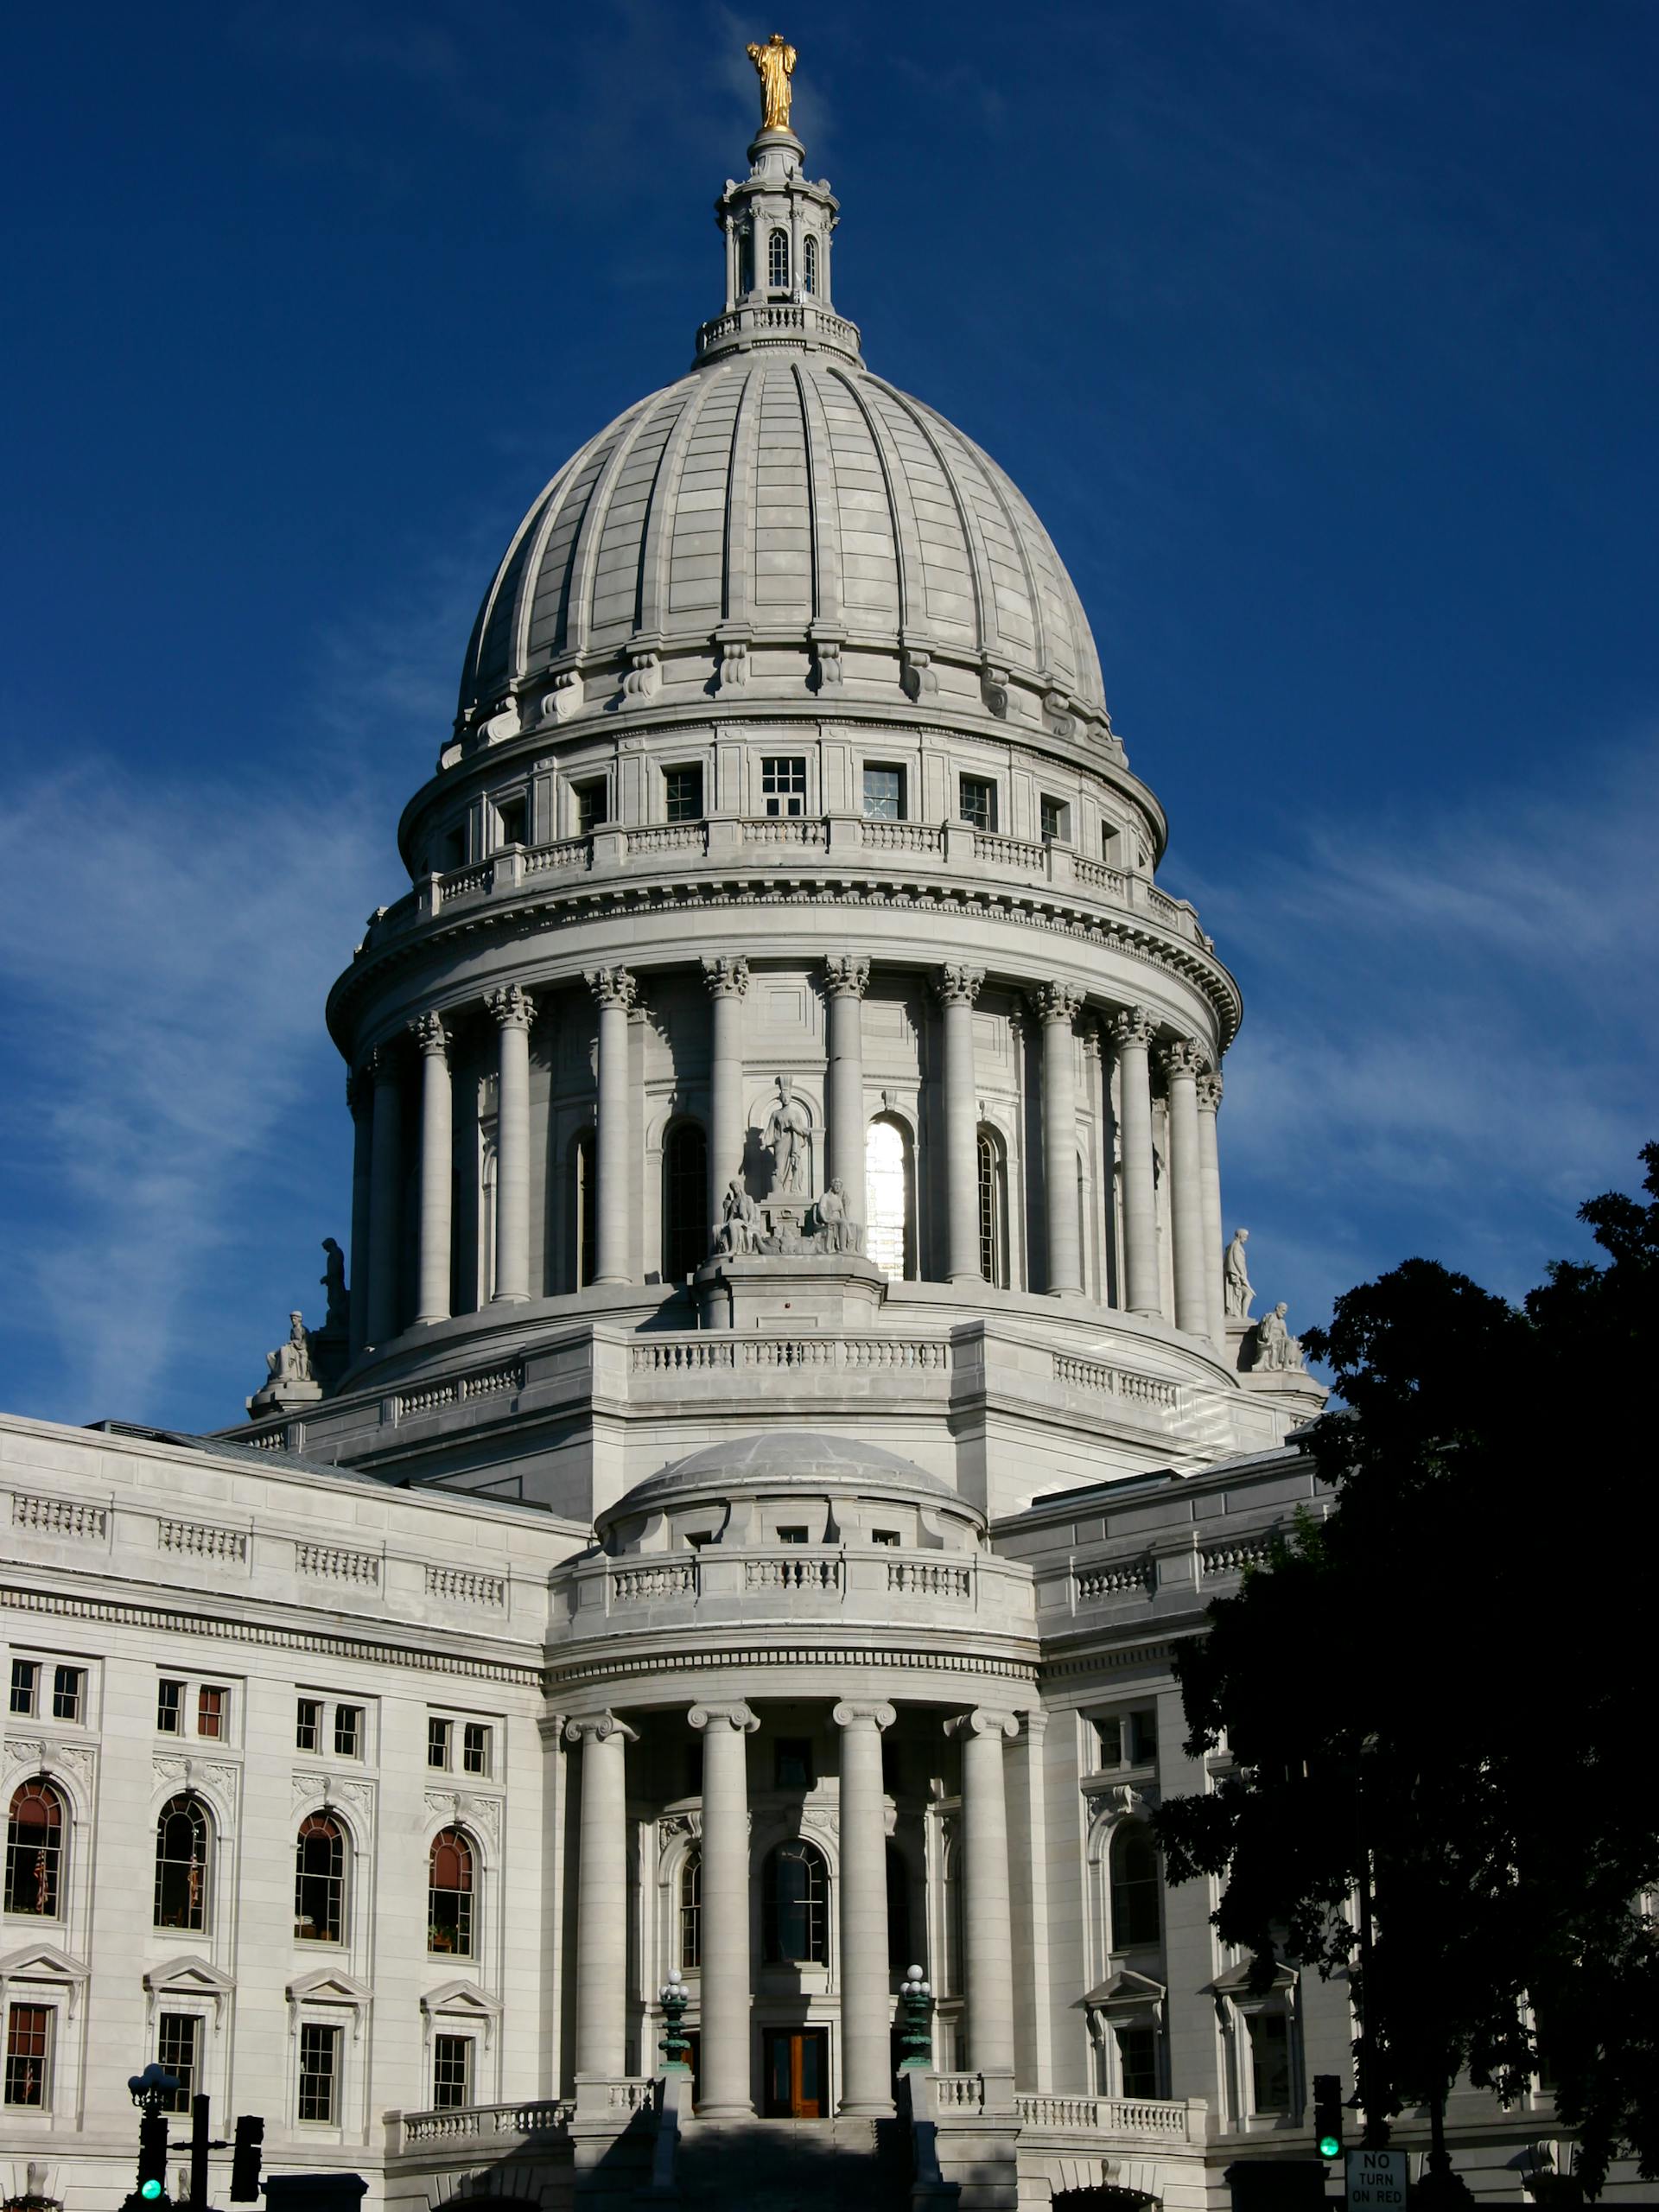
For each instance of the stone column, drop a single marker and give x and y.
(986, 1919)
(725, 2087)
(360, 1097)
(1058, 1005)
(1131, 1032)
(1182, 1061)
(615, 989)
(727, 980)
(866, 1975)
(514, 1010)
(385, 1196)
(1208, 1094)
(845, 981)
(958, 989)
(601, 1894)
(438, 1145)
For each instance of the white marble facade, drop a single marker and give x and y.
(574, 1605)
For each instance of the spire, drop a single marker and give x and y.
(777, 224)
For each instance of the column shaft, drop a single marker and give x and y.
(601, 1895)
(360, 1099)
(987, 1918)
(614, 988)
(958, 989)
(513, 1011)
(1210, 1171)
(727, 980)
(1057, 1006)
(1132, 1035)
(848, 979)
(385, 1199)
(436, 1169)
(724, 2090)
(1182, 1062)
(866, 1976)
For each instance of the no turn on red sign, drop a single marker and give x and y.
(1376, 2179)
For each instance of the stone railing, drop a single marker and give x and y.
(1010, 852)
(1116, 2116)
(200, 1540)
(332, 1563)
(777, 320)
(706, 1354)
(912, 1588)
(669, 837)
(1235, 1557)
(60, 1517)
(1116, 1381)
(638, 1585)
(1094, 875)
(1095, 1583)
(958, 2092)
(796, 1569)
(568, 852)
(472, 2126)
(930, 1577)
(464, 1586)
(901, 837)
(808, 831)
(460, 1390)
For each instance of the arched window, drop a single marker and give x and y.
(489, 1219)
(691, 1909)
(583, 1211)
(886, 1197)
(809, 264)
(320, 1880)
(35, 1850)
(181, 1836)
(794, 1906)
(686, 1228)
(778, 261)
(993, 1213)
(898, 1909)
(450, 1881)
(1132, 1866)
(746, 263)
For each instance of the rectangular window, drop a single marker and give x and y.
(476, 1748)
(792, 1536)
(1143, 1739)
(454, 848)
(887, 1536)
(170, 1707)
(319, 2073)
(1269, 2061)
(1109, 1741)
(1052, 811)
(348, 1732)
(178, 2044)
(884, 794)
(683, 794)
(782, 783)
(212, 1710)
(69, 1694)
(25, 1684)
(591, 806)
(1127, 1738)
(439, 1735)
(452, 2071)
(977, 802)
(28, 2055)
(1137, 2061)
(509, 818)
(792, 1762)
(307, 1725)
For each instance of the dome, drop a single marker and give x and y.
(782, 497)
(801, 1459)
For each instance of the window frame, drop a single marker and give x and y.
(900, 794)
(509, 810)
(785, 780)
(317, 1708)
(1128, 1894)
(439, 1728)
(188, 2079)
(26, 1684)
(983, 785)
(1054, 819)
(357, 1733)
(484, 1767)
(809, 264)
(464, 1924)
(689, 1910)
(674, 807)
(336, 1881)
(686, 1231)
(330, 2036)
(184, 1805)
(55, 1853)
(812, 1908)
(778, 257)
(170, 1711)
(69, 1688)
(468, 2046)
(46, 2015)
(590, 793)
(214, 1699)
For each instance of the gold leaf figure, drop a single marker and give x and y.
(774, 64)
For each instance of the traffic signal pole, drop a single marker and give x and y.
(198, 2149)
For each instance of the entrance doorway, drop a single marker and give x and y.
(798, 2073)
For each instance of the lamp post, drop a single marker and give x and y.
(915, 2022)
(674, 2046)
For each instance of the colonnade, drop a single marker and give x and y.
(1193, 1090)
(725, 1975)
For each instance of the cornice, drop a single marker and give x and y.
(792, 1652)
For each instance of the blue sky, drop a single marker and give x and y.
(1322, 335)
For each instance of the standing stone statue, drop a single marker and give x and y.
(788, 1126)
(774, 64)
(333, 1279)
(1277, 1352)
(1236, 1277)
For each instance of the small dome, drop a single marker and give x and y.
(793, 1458)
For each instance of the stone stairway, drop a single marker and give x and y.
(793, 2166)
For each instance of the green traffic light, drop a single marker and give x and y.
(1329, 2147)
(149, 2191)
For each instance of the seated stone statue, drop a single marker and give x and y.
(839, 1233)
(1277, 1352)
(291, 1363)
(738, 1232)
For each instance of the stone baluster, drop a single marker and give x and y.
(1182, 1063)
(846, 980)
(514, 1010)
(437, 1168)
(1057, 1006)
(986, 1920)
(615, 990)
(866, 2008)
(957, 988)
(1208, 1094)
(601, 1894)
(727, 980)
(1131, 1033)
(360, 1099)
(724, 2087)
(385, 1196)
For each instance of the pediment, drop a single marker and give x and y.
(329, 1986)
(1235, 1982)
(462, 1997)
(1124, 1987)
(42, 1962)
(189, 1976)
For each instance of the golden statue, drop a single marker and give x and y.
(774, 64)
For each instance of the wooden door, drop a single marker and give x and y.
(798, 2073)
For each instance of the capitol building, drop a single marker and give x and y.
(790, 1387)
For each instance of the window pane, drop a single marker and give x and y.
(686, 1232)
(782, 783)
(590, 807)
(510, 815)
(181, 1865)
(68, 1688)
(348, 1732)
(319, 2071)
(1109, 1734)
(25, 1681)
(28, 2031)
(778, 261)
(1137, 2050)
(476, 1748)
(33, 1850)
(978, 801)
(1270, 2062)
(319, 1880)
(1135, 1888)
(810, 266)
(887, 1199)
(177, 2041)
(691, 1911)
(683, 791)
(452, 2071)
(1053, 818)
(1143, 1728)
(449, 1895)
(308, 1724)
(438, 1733)
(210, 1711)
(884, 794)
(170, 1707)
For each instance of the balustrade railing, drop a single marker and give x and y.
(796, 1570)
(706, 1355)
(1116, 1381)
(1111, 2116)
(1117, 1580)
(476, 2124)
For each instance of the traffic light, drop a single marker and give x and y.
(152, 2159)
(245, 2160)
(1327, 2115)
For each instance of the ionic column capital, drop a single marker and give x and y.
(1210, 1091)
(984, 1720)
(612, 986)
(846, 976)
(863, 1712)
(725, 978)
(511, 1006)
(430, 1035)
(1057, 1002)
(598, 1728)
(957, 986)
(382, 1062)
(1131, 1025)
(735, 1715)
(1185, 1057)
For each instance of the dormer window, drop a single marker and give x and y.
(778, 261)
(810, 266)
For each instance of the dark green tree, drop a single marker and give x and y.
(1437, 1695)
